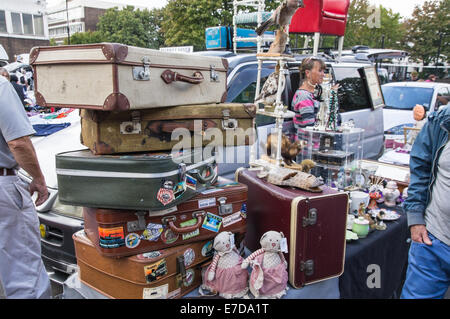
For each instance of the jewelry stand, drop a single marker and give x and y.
(277, 110)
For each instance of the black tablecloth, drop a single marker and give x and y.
(381, 252)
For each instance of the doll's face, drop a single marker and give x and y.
(271, 240)
(222, 242)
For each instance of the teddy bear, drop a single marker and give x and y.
(225, 275)
(269, 276)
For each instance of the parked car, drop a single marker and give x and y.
(59, 222)
(401, 97)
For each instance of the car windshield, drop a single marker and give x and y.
(403, 97)
(13, 66)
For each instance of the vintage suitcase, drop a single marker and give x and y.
(151, 181)
(314, 225)
(222, 208)
(111, 76)
(151, 130)
(169, 273)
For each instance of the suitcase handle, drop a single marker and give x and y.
(169, 220)
(205, 179)
(170, 76)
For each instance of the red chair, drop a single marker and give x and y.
(321, 17)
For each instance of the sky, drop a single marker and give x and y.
(404, 7)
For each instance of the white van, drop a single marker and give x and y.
(3, 56)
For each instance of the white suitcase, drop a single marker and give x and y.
(116, 77)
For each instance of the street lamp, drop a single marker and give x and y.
(68, 27)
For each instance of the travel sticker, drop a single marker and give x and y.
(190, 275)
(231, 219)
(155, 271)
(169, 237)
(207, 249)
(189, 257)
(111, 237)
(132, 240)
(165, 194)
(188, 223)
(152, 232)
(160, 292)
(174, 293)
(179, 189)
(212, 222)
(191, 182)
(149, 255)
(207, 202)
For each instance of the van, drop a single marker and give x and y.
(4, 58)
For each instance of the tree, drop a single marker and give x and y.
(85, 37)
(428, 30)
(371, 26)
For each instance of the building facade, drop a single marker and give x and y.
(23, 25)
(79, 15)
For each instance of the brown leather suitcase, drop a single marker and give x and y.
(119, 233)
(160, 274)
(223, 124)
(117, 77)
(314, 225)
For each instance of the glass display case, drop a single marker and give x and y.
(336, 154)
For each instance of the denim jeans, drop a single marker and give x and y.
(428, 274)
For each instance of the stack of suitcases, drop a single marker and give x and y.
(151, 208)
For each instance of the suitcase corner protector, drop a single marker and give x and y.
(116, 102)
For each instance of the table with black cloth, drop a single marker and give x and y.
(387, 249)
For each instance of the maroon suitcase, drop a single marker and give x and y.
(314, 225)
(120, 233)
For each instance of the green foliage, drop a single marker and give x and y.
(85, 38)
(428, 28)
(366, 26)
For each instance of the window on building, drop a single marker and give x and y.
(2, 22)
(38, 25)
(27, 23)
(16, 23)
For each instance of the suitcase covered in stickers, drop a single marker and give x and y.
(168, 273)
(116, 77)
(151, 181)
(219, 208)
(314, 225)
(160, 129)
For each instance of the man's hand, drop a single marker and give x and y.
(38, 185)
(419, 234)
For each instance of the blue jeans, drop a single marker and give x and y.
(428, 274)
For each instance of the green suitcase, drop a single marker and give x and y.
(151, 181)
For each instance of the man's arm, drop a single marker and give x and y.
(421, 162)
(25, 156)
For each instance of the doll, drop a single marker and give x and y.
(225, 275)
(269, 275)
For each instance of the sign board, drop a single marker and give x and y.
(372, 84)
(186, 49)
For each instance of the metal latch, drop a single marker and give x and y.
(139, 224)
(133, 127)
(224, 209)
(213, 74)
(181, 271)
(227, 123)
(311, 219)
(142, 73)
(307, 267)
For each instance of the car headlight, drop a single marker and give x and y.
(67, 210)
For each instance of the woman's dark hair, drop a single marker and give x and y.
(13, 78)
